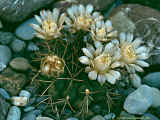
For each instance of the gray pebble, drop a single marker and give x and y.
(5, 56)
(98, 117)
(43, 118)
(6, 37)
(24, 93)
(110, 116)
(156, 95)
(72, 118)
(25, 31)
(29, 117)
(149, 116)
(20, 63)
(4, 93)
(32, 47)
(14, 113)
(29, 108)
(139, 101)
(18, 45)
(152, 79)
(19, 101)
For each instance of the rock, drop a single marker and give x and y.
(29, 116)
(6, 37)
(5, 56)
(32, 47)
(149, 116)
(25, 93)
(110, 116)
(122, 23)
(147, 25)
(98, 4)
(19, 101)
(43, 118)
(12, 81)
(98, 117)
(1, 26)
(14, 113)
(156, 95)
(20, 64)
(25, 31)
(4, 94)
(72, 118)
(4, 107)
(18, 45)
(124, 116)
(152, 79)
(139, 101)
(18, 10)
(29, 108)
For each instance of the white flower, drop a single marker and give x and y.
(81, 17)
(132, 53)
(50, 24)
(101, 62)
(103, 31)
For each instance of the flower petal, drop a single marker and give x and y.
(137, 42)
(136, 67)
(38, 19)
(92, 75)
(135, 80)
(89, 9)
(110, 78)
(84, 60)
(87, 52)
(116, 74)
(62, 19)
(56, 13)
(81, 9)
(98, 44)
(122, 37)
(129, 37)
(143, 56)
(88, 69)
(90, 48)
(141, 49)
(108, 25)
(102, 79)
(142, 63)
(116, 64)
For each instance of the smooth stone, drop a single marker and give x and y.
(18, 45)
(14, 113)
(43, 118)
(125, 116)
(98, 117)
(5, 56)
(6, 37)
(17, 10)
(110, 116)
(149, 116)
(24, 93)
(4, 107)
(19, 101)
(12, 81)
(72, 118)
(122, 23)
(156, 95)
(29, 117)
(32, 47)
(20, 63)
(152, 79)
(139, 101)
(25, 31)
(4, 93)
(29, 108)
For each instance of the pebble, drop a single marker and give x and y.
(25, 31)
(98, 117)
(29, 116)
(32, 47)
(125, 116)
(20, 63)
(4, 93)
(14, 113)
(19, 101)
(110, 116)
(72, 118)
(156, 95)
(18, 45)
(139, 101)
(6, 37)
(5, 56)
(29, 108)
(149, 116)
(43, 118)
(24, 93)
(152, 79)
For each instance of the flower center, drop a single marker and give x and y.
(83, 22)
(102, 63)
(47, 26)
(128, 54)
(101, 32)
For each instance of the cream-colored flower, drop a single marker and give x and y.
(52, 65)
(50, 24)
(103, 31)
(101, 62)
(81, 17)
(132, 53)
